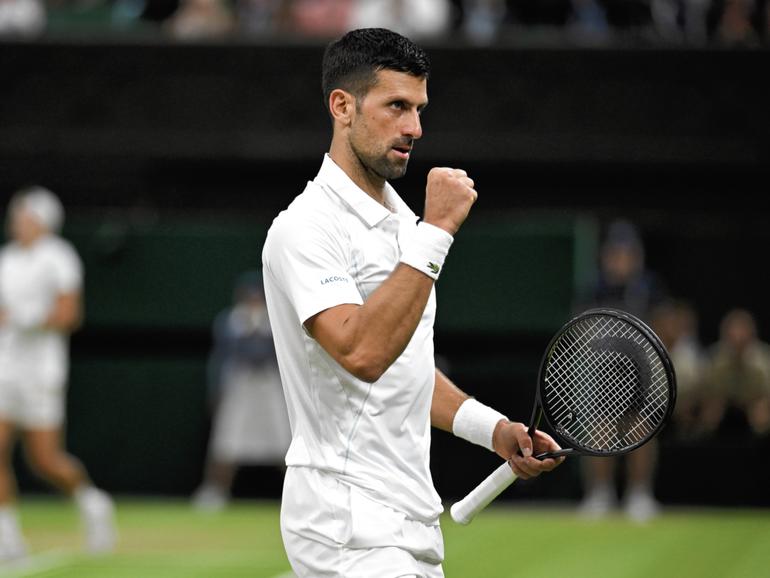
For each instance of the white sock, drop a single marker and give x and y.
(640, 488)
(602, 489)
(82, 493)
(8, 517)
(10, 529)
(88, 497)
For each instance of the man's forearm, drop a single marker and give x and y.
(66, 314)
(447, 399)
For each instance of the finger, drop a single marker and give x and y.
(468, 182)
(550, 464)
(459, 173)
(525, 467)
(524, 442)
(545, 443)
(535, 467)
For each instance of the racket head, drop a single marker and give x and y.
(606, 384)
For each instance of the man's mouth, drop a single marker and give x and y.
(402, 151)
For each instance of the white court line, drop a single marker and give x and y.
(286, 575)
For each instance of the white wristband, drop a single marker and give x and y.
(427, 249)
(476, 423)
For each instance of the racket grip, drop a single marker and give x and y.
(479, 498)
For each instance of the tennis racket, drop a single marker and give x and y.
(606, 386)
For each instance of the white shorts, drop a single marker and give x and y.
(332, 530)
(33, 399)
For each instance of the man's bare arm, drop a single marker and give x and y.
(66, 314)
(366, 339)
(447, 399)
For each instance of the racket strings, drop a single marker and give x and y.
(605, 385)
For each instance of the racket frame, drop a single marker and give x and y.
(539, 411)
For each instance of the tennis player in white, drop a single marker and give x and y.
(349, 279)
(40, 304)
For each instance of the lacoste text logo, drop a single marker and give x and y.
(333, 279)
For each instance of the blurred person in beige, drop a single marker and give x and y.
(40, 305)
(676, 324)
(738, 375)
(201, 19)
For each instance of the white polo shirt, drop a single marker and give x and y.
(31, 279)
(334, 245)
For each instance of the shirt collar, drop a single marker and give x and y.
(369, 210)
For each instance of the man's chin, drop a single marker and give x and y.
(387, 169)
(395, 171)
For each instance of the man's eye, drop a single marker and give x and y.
(399, 104)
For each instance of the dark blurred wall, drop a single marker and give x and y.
(173, 159)
(170, 125)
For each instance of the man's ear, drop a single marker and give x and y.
(342, 106)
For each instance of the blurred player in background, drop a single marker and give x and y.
(349, 281)
(737, 380)
(624, 282)
(250, 425)
(40, 305)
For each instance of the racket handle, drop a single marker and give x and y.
(479, 498)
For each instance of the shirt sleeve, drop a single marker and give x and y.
(311, 265)
(67, 269)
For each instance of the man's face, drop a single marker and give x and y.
(620, 263)
(387, 122)
(739, 333)
(24, 228)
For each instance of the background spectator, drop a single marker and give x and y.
(250, 423)
(22, 18)
(413, 18)
(738, 378)
(624, 283)
(197, 19)
(676, 324)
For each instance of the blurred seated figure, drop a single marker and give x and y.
(250, 421)
(681, 20)
(316, 18)
(200, 19)
(737, 378)
(259, 17)
(413, 18)
(735, 22)
(675, 322)
(482, 19)
(22, 18)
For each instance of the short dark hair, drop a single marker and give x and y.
(351, 62)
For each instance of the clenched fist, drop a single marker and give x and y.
(449, 196)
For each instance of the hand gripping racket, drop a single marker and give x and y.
(606, 386)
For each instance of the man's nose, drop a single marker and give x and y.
(412, 127)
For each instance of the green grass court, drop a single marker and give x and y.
(168, 539)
